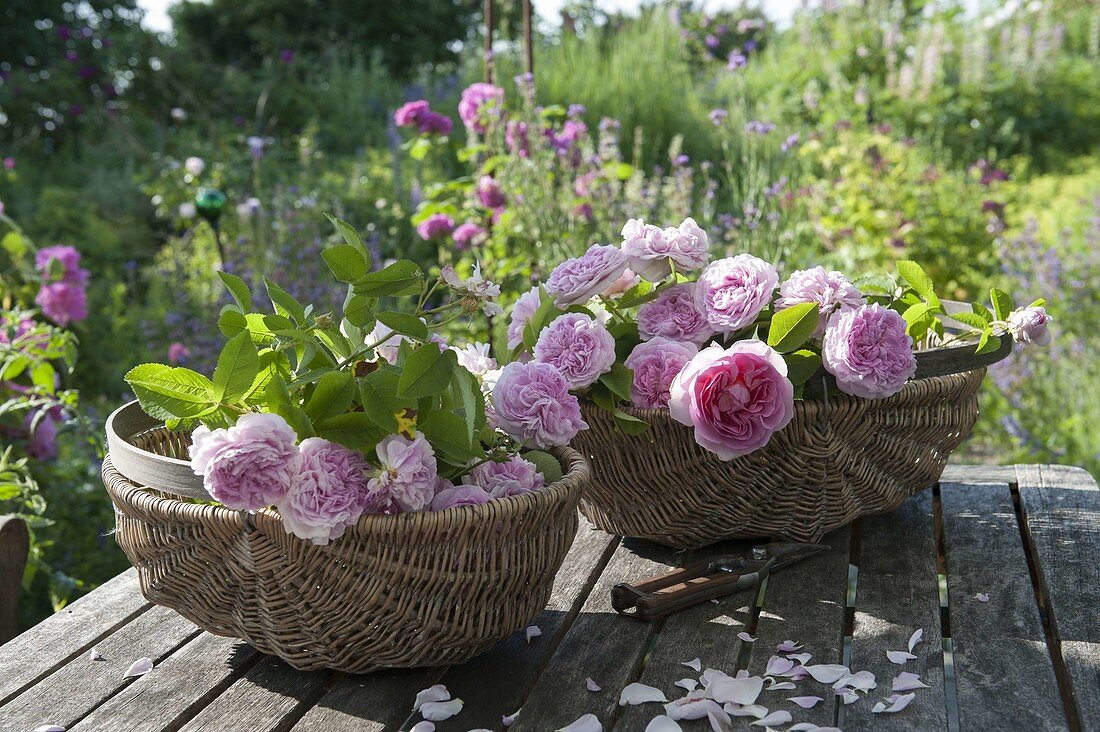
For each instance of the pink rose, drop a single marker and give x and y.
(577, 346)
(407, 480)
(63, 302)
(509, 478)
(829, 290)
(733, 291)
(489, 192)
(248, 466)
(1029, 325)
(655, 364)
(526, 306)
(626, 281)
(436, 226)
(531, 403)
(454, 496)
(868, 352)
(479, 103)
(652, 250)
(674, 315)
(736, 398)
(468, 234)
(576, 280)
(328, 492)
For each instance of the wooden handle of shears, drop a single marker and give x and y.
(649, 603)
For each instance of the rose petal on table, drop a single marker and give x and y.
(827, 673)
(897, 703)
(848, 696)
(860, 680)
(719, 720)
(982, 597)
(533, 631)
(693, 706)
(139, 667)
(906, 681)
(777, 666)
(695, 665)
(746, 637)
(50, 728)
(438, 711)
(423, 726)
(899, 657)
(917, 637)
(806, 702)
(787, 646)
(802, 658)
(688, 684)
(509, 719)
(773, 719)
(739, 690)
(745, 710)
(584, 723)
(94, 655)
(780, 685)
(663, 723)
(636, 693)
(435, 693)
(592, 685)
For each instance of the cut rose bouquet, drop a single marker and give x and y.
(332, 418)
(728, 345)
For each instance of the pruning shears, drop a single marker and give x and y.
(658, 596)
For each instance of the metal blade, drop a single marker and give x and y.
(785, 553)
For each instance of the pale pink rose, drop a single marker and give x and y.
(475, 358)
(1029, 325)
(674, 315)
(328, 493)
(655, 364)
(578, 346)
(652, 251)
(829, 290)
(735, 398)
(407, 480)
(733, 291)
(509, 478)
(249, 465)
(454, 496)
(868, 351)
(531, 403)
(526, 306)
(576, 280)
(626, 281)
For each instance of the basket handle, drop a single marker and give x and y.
(141, 467)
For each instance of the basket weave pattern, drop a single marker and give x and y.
(838, 459)
(394, 591)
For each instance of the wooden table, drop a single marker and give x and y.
(1028, 659)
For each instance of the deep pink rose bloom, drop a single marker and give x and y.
(674, 315)
(468, 234)
(409, 113)
(63, 302)
(489, 192)
(577, 346)
(436, 226)
(69, 258)
(655, 364)
(418, 114)
(526, 306)
(1029, 325)
(248, 466)
(652, 250)
(434, 123)
(479, 102)
(736, 398)
(532, 403)
(868, 352)
(327, 494)
(408, 479)
(576, 280)
(829, 290)
(509, 478)
(454, 496)
(733, 291)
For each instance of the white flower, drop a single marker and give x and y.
(475, 358)
(188, 210)
(194, 166)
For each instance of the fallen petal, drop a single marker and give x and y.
(802, 658)
(139, 667)
(811, 727)
(435, 693)
(437, 711)
(738, 691)
(899, 657)
(692, 706)
(746, 637)
(746, 710)
(773, 719)
(94, 655)
(592, 685)
(781, 686)
(982, 597)
(637, 693)
(849, 697)
(906, 681)
(806, 702)
(533, 631)
(827, 673)
(917, 637)
(695, 665)
(719, 720)
(861, 681)
(662, 723)
(423, 726)
(787, 646)
(688, 684)
(897, 703)
(509, 719)
(777, 666)
(50, 728)
(586, 723)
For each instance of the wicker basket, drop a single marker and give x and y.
(394, 591)
(841, 457)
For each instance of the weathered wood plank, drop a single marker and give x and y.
(1061, 507)
(269, 695)
(81, 685)
(955, 473)
(68, 633)
(999, 645)
(896, 593)
(176, 689)
(14, 544)
(493, 684)
(599, 644)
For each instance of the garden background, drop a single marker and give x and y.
(854, 135)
